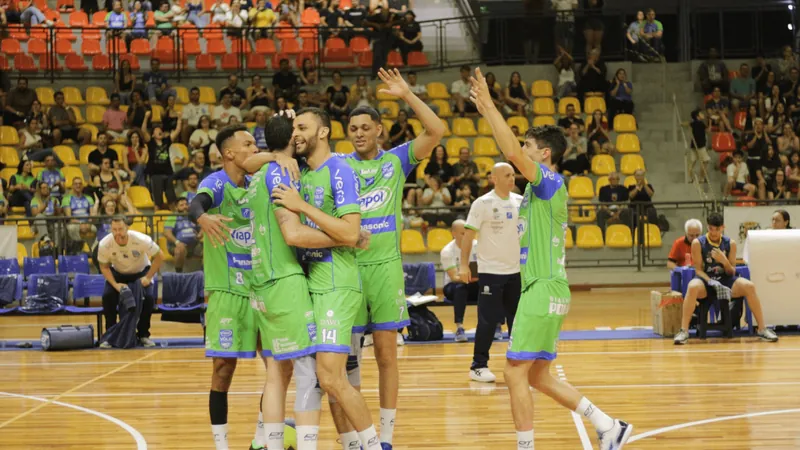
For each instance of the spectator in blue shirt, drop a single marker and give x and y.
(620, 96)
(182, 235)
(52, 176)
(158, 90)
(743, 88)
(652, 33)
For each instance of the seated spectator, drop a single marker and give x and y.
(31, 16)
(115, 120)
(401, 131)
(766, 89)
(593, 76)
(190, 187)
(576, 157)
(331, 21)
(793, 105)
(219, 12)
(285, 82)
(108, 184)
(257, 96)
(160, 165)
(633, 34)
(438, 166)
(515, 95)
(458, 291)
(19, 102)
(183, 236)
(436, 195)
(22, 187)
(459, 93)
(192, 112)
(738, 175)
(166, 21)
(157, 85)
(620, 96)
(781, 220)
(752, 116)
(137, 110)
(793, 172)
(773, 124)
(466, 173)
(769, 101)
(290, 12)
(196, 13)
(338, 94)
(765, 176)
(309, 76)
(421, 91)
(788, 143)
(224, 111)
(760, 71)
(363, 94)
(77, 206)
(116, 21)
(789, 85)
(236, 20)
(353, 20)
(262, 18)
(464, 197)
(137, 156)
(203, 136)
(497, 94)
(787, 63)
(138, 22)
(44, 205)
(124, 81)
(779, 188)
(409, 36)
(610, 213)
(102, 151)
(570, 119)
(718, 110)
(171, 118)
(651, 33)
(258, 130)
(712, 73)
(598, 136)
(38, 114)
(641, 194)
(32, 146)
(53, 177)
(197, 166)
(399, 7)
(699, 146)
(566, 86)
(743, 89)
(680, 255)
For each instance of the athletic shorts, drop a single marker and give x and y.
(335, 314)
(385, 293)
(231, 326)
(285, 318)
(542, 309)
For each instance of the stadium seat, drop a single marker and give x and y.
(37, 47)
(24, 63)
(70, 173)
(256, 61)
(631, 163)
(231, 62)
(46, 95)
(8, 135)
(97, 96)
(652, 235)
(464, 127)
(543, 106)
(454, 146)
(580, 187)
(411, 242)
(739, 120)
(191, 46)
(484, 129)
(590, 237)
(94, 114)
(570, 242)
(7, 173)
(395, 60)
(389, 109)
(207, 95)
(66, 155)
(601, 181)
(447, 132)
(101, 63)
(75, 63)
(628, 143)
(485, 165)
(22, 253)
(3, 62)
(78, 115)
(438, 238)
(10, 47)
(592, 104)
(205, 62)
(162, 244)
(266, 47)
(520, 122)
(24, 231)
(630, 180)
(603, 165)
(122, 150)
(438, 90)
(387, 124)
(359, 44)
(562, 105)
(64, 47)
(582, 211)
(624, 123)
(83, 153)
(723, 142)
(344, 147)
(337, 130)
(9, 156)
(140, 47)
(420, 168)
(290, 46)
(132, 59)
(140, 196)
(416, 125)
(452, 161)
(381, 96)
(485, 146)
(418, 59)
(618, 236)
(444, 108)
(542, 88)
(540, 121)
(73, 96)
(36, 171)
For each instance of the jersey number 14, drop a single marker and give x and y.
(328, 336)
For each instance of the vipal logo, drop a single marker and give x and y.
(243, 236)
(375, 199)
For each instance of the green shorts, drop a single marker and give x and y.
(542, 309)
(335, 313)
(231, 326)
(385, 293)
(286, 318)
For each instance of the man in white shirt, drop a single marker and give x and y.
(125, 257)
(459, 92)
(223, 113)
(456, 289)
(421, 91)
(192, 112)
(496, 216)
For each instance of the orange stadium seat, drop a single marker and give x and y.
(75, 63)
(740, 120)
(359, 44)
(266, 47)
(24, 63)
(17, 32)
(310, 17)
(395, 60)
(365, 60)
(723, 142)
(418, 59)
(10, 47)
(256, 61)
(284, 30)
(99, 19)
(205, 62)
(3, 62)
(216, 47)
(64, 47)
(90, 47)
(37, 47)
(101, 63)
(45, 63)
(191, 46)
(231, 61)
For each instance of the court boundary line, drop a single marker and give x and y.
(579, 425)
(141, 443)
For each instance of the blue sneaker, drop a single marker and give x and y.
(386, 446)
(461, 336)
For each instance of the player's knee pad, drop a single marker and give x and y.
(309, 395)
(354, 360)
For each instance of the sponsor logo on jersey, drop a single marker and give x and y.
(317, 255)
(369, 181)
(225, 339)
(136, 253)
(225, 321)
(312, 331)
(296, 185)
(522, 226)
(523, 255)
(387, 170)
(556, 241)
(338, 187)
(262, 229)
(558, 306)
(374, 200)
(368, 172)
(243, 236)
(525, 200)
(319, 196)
(247, 213)
(237, 261)
(377, 225)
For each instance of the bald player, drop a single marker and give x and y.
(457, 290)
(495, 216)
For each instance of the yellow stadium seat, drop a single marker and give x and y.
(78, 116)
(542, 88)
(337, 130)
(96, 95)
(631, 163)
(580, 187)
(35, 250)
(9, 156)
(630, 180)
(182, 148)
(562, 105)
(437, 90)
(485, 164)
(92, 129)
(438, 238)
(411, 242)
(416, 125)
(139, 226)
(485, 146)
(22, 253)
(157, 113)
(83, 153)
(540, 121)
(543, 106)
(207, 95)
(46, 95)
(94, 114)
(618, 236)
(183, 95)
(628, 143)
(603, 164)
(140, 197)
(389, 109)
(570, 241)
(454, 146)
(592, 104)
(70, 173)
(652, 235)
(66, 154)
(122, 150)
(484, 129)
(464, 127)
(73, 96)
(452, 161)
(36, 170)
(624, 123)
(382, 96)
(582, 211)
(590, 236)
(162, 244)
(24, 231)
(159, 220)
(602, 181)
(124, 108)
(519, 122)
(444, 108)
(387, 124)
(344, 147)
(447, 132)
(421, 168)
(8, 136)
(7, 173)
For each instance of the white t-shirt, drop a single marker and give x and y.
(451, 257)
(128, 259)
(224, 115)
(496, 220)
(219, 12)
(461, 88)
(193, 113)
(744, 172)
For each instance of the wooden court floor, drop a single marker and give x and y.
(714, 394)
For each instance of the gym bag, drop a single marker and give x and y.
(67, 337)
(425, 326)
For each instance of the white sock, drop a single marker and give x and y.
(261, 437)
(387, 424)
(274, 433)
(601, 421)
(307, 437)
(350, 440)
(220, 433)
(369, 439)
(525, 440)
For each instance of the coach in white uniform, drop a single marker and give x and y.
(457, 290)
(124, 257)
(495, 216)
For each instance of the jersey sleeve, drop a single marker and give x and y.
(344, 187)
(275, 176)
(475, 216)
(90, 200)
(214, 187)
(405, 152)
(547, 183)
(65, 202)
(448, 259)
(673, 253)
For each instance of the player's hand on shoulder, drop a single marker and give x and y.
(288, 198)
(214, 226)
(288, 165)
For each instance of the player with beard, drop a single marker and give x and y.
(331, 186)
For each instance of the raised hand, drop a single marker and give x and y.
(479, 93)
(397, 86)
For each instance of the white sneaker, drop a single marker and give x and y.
(400, 341)
(681, 337)
(367, 341)
(616, 437)
(483, 375)
(147, 342)
(105, 345)
(768, 335)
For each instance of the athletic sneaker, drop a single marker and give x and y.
(682, 337)
(105, 345)
(498, 333)
(768, 335)
(461, 336)
(400, 341)
(616, 437)
(254, 446)
(483, 375)
(386, 446)
(147, 342)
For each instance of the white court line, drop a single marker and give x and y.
(582, 433)
(707, 421)
(141, 444)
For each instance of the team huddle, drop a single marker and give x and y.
(301, 259)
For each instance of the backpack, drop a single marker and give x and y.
(46, 248)
(425, 326)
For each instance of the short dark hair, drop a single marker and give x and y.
(321, 114)
(57, 93)
(465, 67)
(195, 88)
(365, 110)
(227, 133)
(119, 218)
(738, 153)
(716, 219)
(549, 136)
(786, 217)
(22, 79)
(282, 60)
(411, 72)
(278, 133)
(192, 174)
(114, 97)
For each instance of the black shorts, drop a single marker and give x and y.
(71, 133)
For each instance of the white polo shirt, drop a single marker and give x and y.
(128, 259)
(496, 220)
(451, 257)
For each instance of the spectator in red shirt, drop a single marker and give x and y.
(681, 253)
(115, 120)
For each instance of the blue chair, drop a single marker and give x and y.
(55, 284)
(85, 286)
(9, 266)
(419, 277)
(43, 265)
(73, 264)
(706, 309)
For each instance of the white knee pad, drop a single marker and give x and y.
(354, 360)
(309, 395)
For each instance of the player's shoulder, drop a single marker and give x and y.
(138, 237)
(214, 181)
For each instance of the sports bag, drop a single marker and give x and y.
(425, 326)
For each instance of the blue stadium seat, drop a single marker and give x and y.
(10, 290)
(53, 284)
(9, 266)
(182, 292)
(73, 264)
(42, 265)
(420, 277)
(85, 286)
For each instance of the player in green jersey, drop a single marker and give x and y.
(382, 175)
(545, 297)
(330, 185)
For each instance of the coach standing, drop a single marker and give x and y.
(495, 217)
(124, 257)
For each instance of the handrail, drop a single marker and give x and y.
(678, 127)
